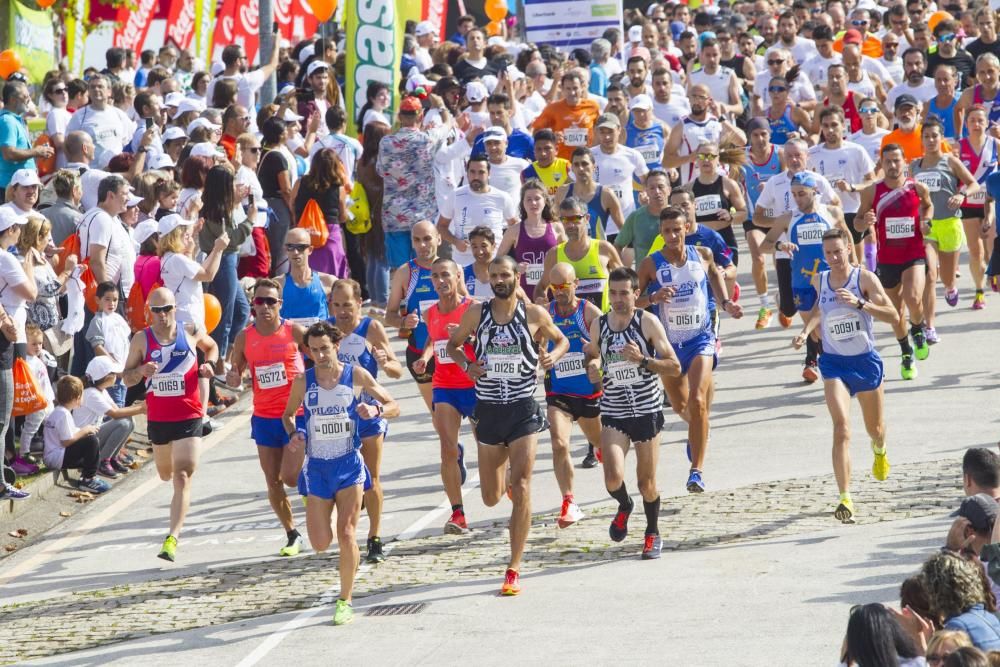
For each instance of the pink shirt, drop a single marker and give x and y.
(147, 273)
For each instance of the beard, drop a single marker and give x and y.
(504, 290)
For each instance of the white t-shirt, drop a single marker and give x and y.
(801, 90)
(177, 273)
(12, 274)
(99, 228)
(423, 59)
(59, 426)
(110, 129)
(348, 149)
(56, 123)
(90, 180)
(467, 210)
(506, 177)
(817, 68)
(872, 143)
(850, 162)
(875, 67)
(616, 172)
(801, 49)
(41, 373)
(925, 92)
(717, 84)
(894, 68)
(112, 332)
(247, 176)
(247, 86)
(672, 112)
(94, 406)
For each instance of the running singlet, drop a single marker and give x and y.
(695, 133)
(273, 361)
(531, 251)
(806, 231)
(304, 305)
(569, 375)
(649, 142)
(509, 356)
(709, 200)
(172, 392)
(981, 164)
(553, 176)
(782, 126)
(332, 423)
(448, 374)
(846, 330)
(598, 214)
(945, 115)
(354, 349)
(755, 175)
(420, 295)
(941, 183)
(992, 106)
(629, 389)
(478, 290)
(593, 277)
(897, 214)
(687, 316)
(851, 113)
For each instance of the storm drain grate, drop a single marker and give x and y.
(396, 609)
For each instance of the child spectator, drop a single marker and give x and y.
(167, 193)
(96, 405)
(109, 335)
(39, 362)
(68, 447)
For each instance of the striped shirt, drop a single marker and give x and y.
(629, 390)
(508, 354)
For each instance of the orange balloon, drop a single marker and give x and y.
(494, 28)
(213, 312)
(10, 62)
(45, 4)
(496, 9)
(323, 9)
(937, 17)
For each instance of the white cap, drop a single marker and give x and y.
(173, 132)
(205, 149)
(490, 82)
(25, 177)
(217, 68)
(315, 65)
(284, 44)
(641, 101)
(635, 34)
(475, 91)
(173, 99)
(144, 230)
(133, 200)
(291, 117)
(169, 223)
(372, 116)
(161, 161)
(201, 122)
(286, 88)
(514, 73)
(496, 40)
(495, 133)
(101, 367)
(9, 217)
(424, 28)
(306, 53)
(188, 104)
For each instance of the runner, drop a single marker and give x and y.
(763, 162)
(334, 472)
(701, 126)
(603, 205)
(645, 133)
(547, 167)
(679, 281)
(477, 275)
(949, 182)
(570, 395)
(985, 93)
(165, 358)
(979, 152)
(786, 118)
(617, 167)
(269, 349)
(592, 260)
(303, 290)
(631, 348)
(535, 235)
(454, 393)
(850, 364)
(510, 340)
(718, 199)
(901, 211)
(367, 347)
(473, 205)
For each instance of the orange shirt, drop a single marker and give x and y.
(871, 47)
(910, 142)
(228, 143)
(575, 123)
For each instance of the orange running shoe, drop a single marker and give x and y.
(511, 583)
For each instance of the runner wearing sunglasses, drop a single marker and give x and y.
(303, 290)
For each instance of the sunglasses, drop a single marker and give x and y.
(571, 218)
(777, 89)
(61, 89)
(265, 301)
(297, 247)
(707, 156)
(245, 119)
(946, 38)
(161, 309)
(776, 61)
(868, 110)
(560, 286)
(859, 22)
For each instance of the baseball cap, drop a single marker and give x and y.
(144, 230)
(905, 100)
(494, 133)
(9, 218)
(805, 179)
(173, 132)
(475, 91)
(101, 367)
(306, 53)
(980, 510)
(496, 40)
(133, 200)
(853, 36)
(173, 99)
(202, 122)
(205, 149)
(408, 105)
(316, 65)
(169, 223)
(490, 82)
(290, 116)
(609, 120)
(283, 43)
(641, 101)
(25, 177)
(286, 88)
(217, 68)
(161, 161)
(635, 34)
(188, 104)
(424, 28)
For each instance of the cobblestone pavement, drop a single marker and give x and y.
(233, 593)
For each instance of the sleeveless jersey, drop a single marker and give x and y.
(851, 113)
(846, 330)
(863, 88)
(649, 142)
(593, 277)
(354, 349)
(509, 356)
(332, 423)
(304, 305)
(532, 251)
(755, 175)
(274, 361)
(598, 214)
(479, 291)
(782, 126)
(448, 374)
(897, 214)
(806, 231)
(172, 392)
(709, 200)
(687, 317)
(940, 181)
(553, 176)
(695, 133)
(569, 375)
(992, 106)
(981, 164)
(629, 390)
(945, 115)
(420, 295)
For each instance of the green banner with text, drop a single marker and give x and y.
(32, 37)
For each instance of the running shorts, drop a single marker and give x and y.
(500, 424)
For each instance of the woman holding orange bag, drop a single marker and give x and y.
(324, 184)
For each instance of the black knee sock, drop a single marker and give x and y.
(904, 345)
(916, 328)
(652, 515)
(812, 350)
(458, 508)
(621, 495)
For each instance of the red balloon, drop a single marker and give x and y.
(10, 62)
(323, 9)
(213, 312)
(496, 9)
(45, 4)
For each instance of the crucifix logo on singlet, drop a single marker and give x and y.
(815, 269)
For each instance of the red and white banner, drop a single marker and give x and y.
(436, 11)
(133, 25)
(236, 23)
(180, 23)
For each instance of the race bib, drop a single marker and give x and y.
(576, 136)
(976, 198)
(534, 273)
(570, 365)
(684, 319)
(931, 179)
(617, 190)
(708, 204)
(305, 321)
(810, 234)
(590, 286)
(271, 377)
(843, 327)
(332, 427)
(650, 153)
(503, 367)
(900, 228)
(622, 372)
(424, 306)
(441, 352)
(167, 384)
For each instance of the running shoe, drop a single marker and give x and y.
(119, 466)
(694, 483)
(461, 462)
(880, 466)
(93, 485)
(908, 369)
(979, 302)
(11, 492)
(22, 467)
(125, 459)
(107, 470)
(920, 347)
(845, 511)
(810, 373)
(951, 297)
(995, 283)
(590, 460)
(651, 547)
(344, 613)
(169, 549)
(570, 514)
(736, 293)
(619, 525)
(931, 334)
(763, 318)
(511, 583)
(456, 524)
(374, 554)
(784, 320)
(293, 547)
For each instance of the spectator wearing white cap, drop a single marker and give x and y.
(234, 58)
(107, 125)
(22, 193)
(297, 142)
(505, 170)
(182, 275)
(99, 409)
(426, 40)
(186, 112)
(474, 65)
(476, 94)
(15, 147)
(315, 101)
(17, 280)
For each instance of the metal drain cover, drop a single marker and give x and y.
(407, 609)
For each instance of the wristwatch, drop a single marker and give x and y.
(644, 364)
(861, 303)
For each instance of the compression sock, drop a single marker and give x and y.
(458, 508)
(904, 345)
(621, 495)
(652, 510)
(812, 350)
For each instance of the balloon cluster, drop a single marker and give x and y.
(10, 62)
(323, 9)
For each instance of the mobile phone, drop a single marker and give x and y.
(274, 27)
(149, 123)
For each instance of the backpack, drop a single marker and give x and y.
(136, 311)
(313, 221)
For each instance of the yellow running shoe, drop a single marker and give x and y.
(845, 511)
(880, 466)
(763, 318)
(169, 550)
(344, 613)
